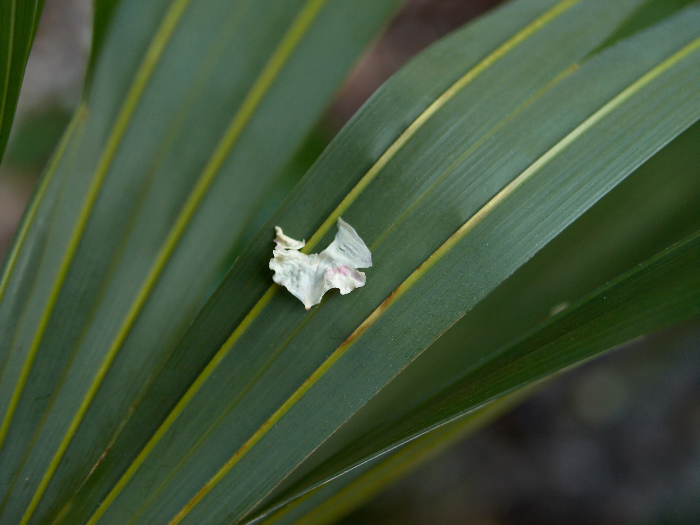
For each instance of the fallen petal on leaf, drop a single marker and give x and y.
(309, 277)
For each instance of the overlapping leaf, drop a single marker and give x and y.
(456, 173)
(104, 11)
(658, 293)
(330, 501)
(19, 20)
(644, 214)
(433, 75)
(194, 110)
(591, 132)
(263, 403)
(20, 266)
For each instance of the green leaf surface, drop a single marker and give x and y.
(436, 72)
(19, 20)
(20, 264)
(194, 111)
(422, 419)
(333, 500)
(129, 396)
(283, 382)
(662, 291)
(35, 138)
(335, 382)
(333, 390)
(103, 13)
(650, 210)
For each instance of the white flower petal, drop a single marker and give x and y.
(344, 278)
(347, 248)
(287, 242)
(309, 277)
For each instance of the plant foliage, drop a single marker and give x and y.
(151, 370)
(19, 20)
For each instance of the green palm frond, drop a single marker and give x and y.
(151, 370)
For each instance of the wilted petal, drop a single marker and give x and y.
(347, 249)
(309, 277)
(344, 278)
(287, 242)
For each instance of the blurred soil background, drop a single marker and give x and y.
(616, 441)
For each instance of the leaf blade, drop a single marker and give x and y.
(326, 321)
(322, 57)
(19, 21)
(658, 293)
(543, 161)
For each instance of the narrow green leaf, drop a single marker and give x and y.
(222, 304)
(509, 213)
(633, 222)
(662, 291)
(18, 262)
(241, 390)
(456, 173)
(650, 210)
(19, 20)
(193, 112)
(327, 503)
(103, 13)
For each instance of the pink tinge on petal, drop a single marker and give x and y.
(344, 278)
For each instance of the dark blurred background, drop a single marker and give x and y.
(616, 441)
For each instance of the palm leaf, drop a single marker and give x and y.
(658, 204)
(18, 24)
(330, 501)
(104, 11)
(142, 401)
(250, 380)
(181, 93)
(658, 293)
